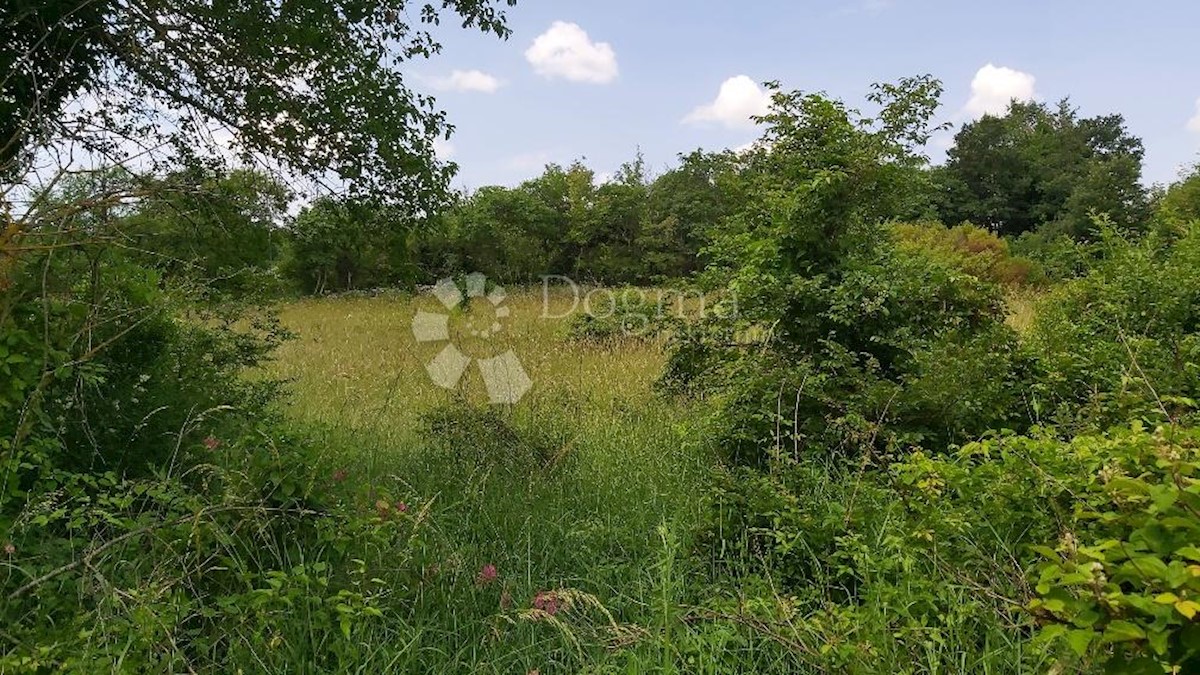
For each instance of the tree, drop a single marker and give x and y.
(684, 206)
(345, 245)
(861, 343)
(221, 230)
(1180, 203)
(1037, 166)
(314, 85)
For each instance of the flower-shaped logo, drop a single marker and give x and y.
(503, 375)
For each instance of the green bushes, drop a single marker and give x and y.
(628, 314)
(1012, 554)
(150, 501)
(913, 486)
(1122, 342)
(836, 328)
(971, 249)
(474, 438)
(1122, 583)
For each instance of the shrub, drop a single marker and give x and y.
(838, 327)
(972, 249)
(1122, 342)
(628, 314)
(1122, 583)
(479, 437)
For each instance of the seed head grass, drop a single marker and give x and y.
(615, 463)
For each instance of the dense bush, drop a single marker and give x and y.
(1121, 584)
(154, 514)
(628, 313)
(838, 339)
(1122, 342)
(971, 249)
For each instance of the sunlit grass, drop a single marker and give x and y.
(357, 364)
(1021, 306)
(627, 462)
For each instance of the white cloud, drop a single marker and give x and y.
(467, 80)
(748, 146)
(566, 51)
(995, 86)
(1193, 124)
(739, 98)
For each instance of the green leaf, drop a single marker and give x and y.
(1122, 631)
(1079, 640)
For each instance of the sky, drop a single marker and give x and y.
(603, 80)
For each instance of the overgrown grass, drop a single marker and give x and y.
(589, 483)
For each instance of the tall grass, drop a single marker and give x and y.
(613, 481)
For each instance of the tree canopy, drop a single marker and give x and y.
(1037, 165)
(313, 85)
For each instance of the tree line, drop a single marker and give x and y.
(1040, 176)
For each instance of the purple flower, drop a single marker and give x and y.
(487, 574)
(547, 601)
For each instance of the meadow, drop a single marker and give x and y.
(602, 507)
(950, 426)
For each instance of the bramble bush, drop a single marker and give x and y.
(914, 487)
(1121, 584)
(154, 512)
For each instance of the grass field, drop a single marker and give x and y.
(588, 486)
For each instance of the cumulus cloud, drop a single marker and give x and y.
(995, 86)
(467, 80)
(566, 51)
(1193, 124)
(739, 98)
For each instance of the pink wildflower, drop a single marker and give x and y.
(547, 601)
(339, 475)
(487, 574)
(212, 442)
(401, 507)
(9, 549)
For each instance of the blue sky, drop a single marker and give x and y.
(617, 76)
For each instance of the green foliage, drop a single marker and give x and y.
(474, 438)
(1038, 166)
(1122, 342)
(836, 329)
(972, 249)
(339, 77)
(218, 231)
(1122, 585)
(346, 246)
(622, 314)
(1180, 204)
(629, 229)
